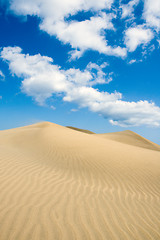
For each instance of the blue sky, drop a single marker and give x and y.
(90, 64)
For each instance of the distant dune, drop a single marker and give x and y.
(131, 138)
(60, 184)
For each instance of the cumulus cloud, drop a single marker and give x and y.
(130, 113)
(92, 33)
(37, 72)
(41, 79)
(152, 13)
(88, 34)
(84, 35)
(2, 76)
(136, 36)
(55, 8)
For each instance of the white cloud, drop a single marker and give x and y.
(41, 79)
(130, 113)
(152, 13)
(93, 33)
(127, 9)
(55, 8)
(81, 35)
(37, 72)
(84, 35)
(132, 61)
(136, 36)
(99, 76)
(88, 96)
(113, 108)
(2, 76)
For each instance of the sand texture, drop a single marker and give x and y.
(60, 184)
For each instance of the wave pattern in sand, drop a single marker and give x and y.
(56, 183)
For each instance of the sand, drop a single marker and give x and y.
(80, 130)
(58, 183)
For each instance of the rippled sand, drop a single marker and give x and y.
(58, 183)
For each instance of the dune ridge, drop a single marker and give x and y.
(56, 183)
(80, 130)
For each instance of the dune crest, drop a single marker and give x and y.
(56, 183)
(80, 130)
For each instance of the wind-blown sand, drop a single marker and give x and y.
(58, 183)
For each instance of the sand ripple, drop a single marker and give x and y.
(61, 184)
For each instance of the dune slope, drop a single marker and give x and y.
(56, 183)
(80, 130)
(131, 138)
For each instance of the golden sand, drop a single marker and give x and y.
(60, 184)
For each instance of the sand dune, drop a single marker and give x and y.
(56, 183)
(131, 138)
